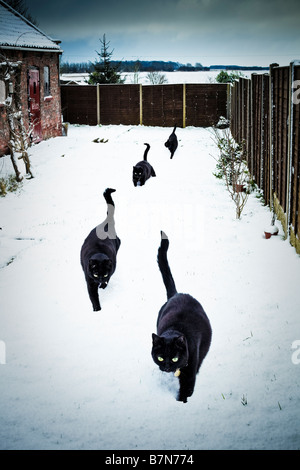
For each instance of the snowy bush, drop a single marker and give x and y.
(232, 168)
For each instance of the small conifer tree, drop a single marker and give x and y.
(105, 71)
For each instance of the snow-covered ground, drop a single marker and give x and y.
(171, 77)
(71, 378)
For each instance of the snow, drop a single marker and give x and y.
(171, 77)
(77, 379)
(16, 31)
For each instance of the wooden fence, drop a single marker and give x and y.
(199, 105)
(265, 113)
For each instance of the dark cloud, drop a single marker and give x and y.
(182, 28)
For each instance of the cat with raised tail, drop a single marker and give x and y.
(183, 331)
(98, 254)
(172, 142)
(142, 171)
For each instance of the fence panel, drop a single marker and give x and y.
(163, 105)
(280, 78)
(205, 103)
(265, 145)
(295, 162)
(119, 104)
(199, 105)
(78, 103)
(270, 123)
(256, 129)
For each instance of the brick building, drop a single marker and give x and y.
(35, 58)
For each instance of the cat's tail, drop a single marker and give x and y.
(175, 127)
(164, 266)
(107, 196)
(146, 152)
(107, 228)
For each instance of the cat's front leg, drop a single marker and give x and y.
(187, 382)
(94, 297)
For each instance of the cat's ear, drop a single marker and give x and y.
(92, 264)
(181, 342)
(155, 339)
(108, 264)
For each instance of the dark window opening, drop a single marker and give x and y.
(46, 81)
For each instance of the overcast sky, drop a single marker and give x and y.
(244, 32)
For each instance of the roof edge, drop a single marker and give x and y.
(26, 48)
(16, 13)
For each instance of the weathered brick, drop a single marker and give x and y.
(50, 107)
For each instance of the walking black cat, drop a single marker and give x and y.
(183, 331)
(142, 171)
(172, 142)
(98, 254)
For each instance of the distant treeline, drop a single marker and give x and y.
(149, 66)
(237, 67)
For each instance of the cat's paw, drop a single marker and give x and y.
(182, 398)
(183, 395)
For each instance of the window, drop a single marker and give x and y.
(2, 92)
(46, 81)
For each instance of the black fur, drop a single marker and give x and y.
(183, 331)
(142, 171)
(172, 142)
(98, 254)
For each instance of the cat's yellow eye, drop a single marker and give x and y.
(105, 275)
(160, 358)
(175, 359)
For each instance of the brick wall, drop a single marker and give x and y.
(50, 106)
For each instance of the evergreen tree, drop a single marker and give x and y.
(105, 71)
(225, 77)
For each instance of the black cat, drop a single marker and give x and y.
(172, 142)
(183, 331)
(98, 254)
(142, 171)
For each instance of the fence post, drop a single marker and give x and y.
(262, 132)
(290, 148)
(251, 127)
(183, 105)
(271, 150)
(98, 104)
(228, 101)
(141, 105)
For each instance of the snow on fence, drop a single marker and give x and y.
(265, 111)
(199, 105)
